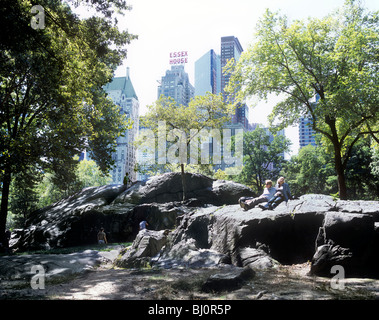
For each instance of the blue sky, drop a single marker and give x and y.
(196, 26)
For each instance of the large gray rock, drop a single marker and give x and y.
(256, 259)
(147, 244)
(289, 234)
(168, 187)
(55, 266)
(346, 239)
(77, 219)
(211, 228)
(73, 221)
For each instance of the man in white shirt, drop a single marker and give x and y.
(268, 193)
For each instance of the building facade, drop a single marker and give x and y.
(176, 84)
(232, 49)
(208, 74)
(122, 93)
(306, 132)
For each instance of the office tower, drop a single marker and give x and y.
(175, 84)
(231, 48)
(208, 74)
(122, 93)
(306, 132)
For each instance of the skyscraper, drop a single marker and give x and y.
(208, 74)
(231, 48)
(306, 132)
(121, 91)
(175, 84)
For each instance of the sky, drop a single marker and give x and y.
(196, 26)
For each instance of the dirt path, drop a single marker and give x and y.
(107, 283)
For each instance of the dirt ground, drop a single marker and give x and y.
(108, 283)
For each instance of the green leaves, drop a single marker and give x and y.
(335, 58)
(180, 127)
(263, 157)
(52, 102)
(209, 111)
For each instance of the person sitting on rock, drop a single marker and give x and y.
(283, 193)
(249, 202)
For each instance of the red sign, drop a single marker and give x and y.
(179, 57)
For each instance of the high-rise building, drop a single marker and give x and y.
(176, 84)
(306, 132)
(232, 49)
(208, 74)
(122, 93)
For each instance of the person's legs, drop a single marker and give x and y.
(272, 204)
(253, 202)
(243, 202)
(278, 200)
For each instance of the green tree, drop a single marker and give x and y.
(183, 125)
(336, 58)
(360, 180)
(90, 175)
(87, 174)
(310, 171)
(24, 197)
(52, 102)
(263, 157)
(374, 165)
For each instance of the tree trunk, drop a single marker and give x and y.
(4, 202)
(183, 182)
(340, 176)
(340, 169)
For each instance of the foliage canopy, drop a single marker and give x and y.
(52, 101)
(335, 58)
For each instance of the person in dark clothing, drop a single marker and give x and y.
(102, 237)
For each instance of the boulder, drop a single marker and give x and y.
(287, 235)
(210, 228)
(76, 220)
(168, 187)
(256, 259)
(72, 221)
(327, 256)
(147, 244)
(346, 239)
(260, 238)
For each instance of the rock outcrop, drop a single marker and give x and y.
(55, 266)
(77, 219)
(168, 188)
(146, 245)
(211, 229)
(349, 240)
(314, 228)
